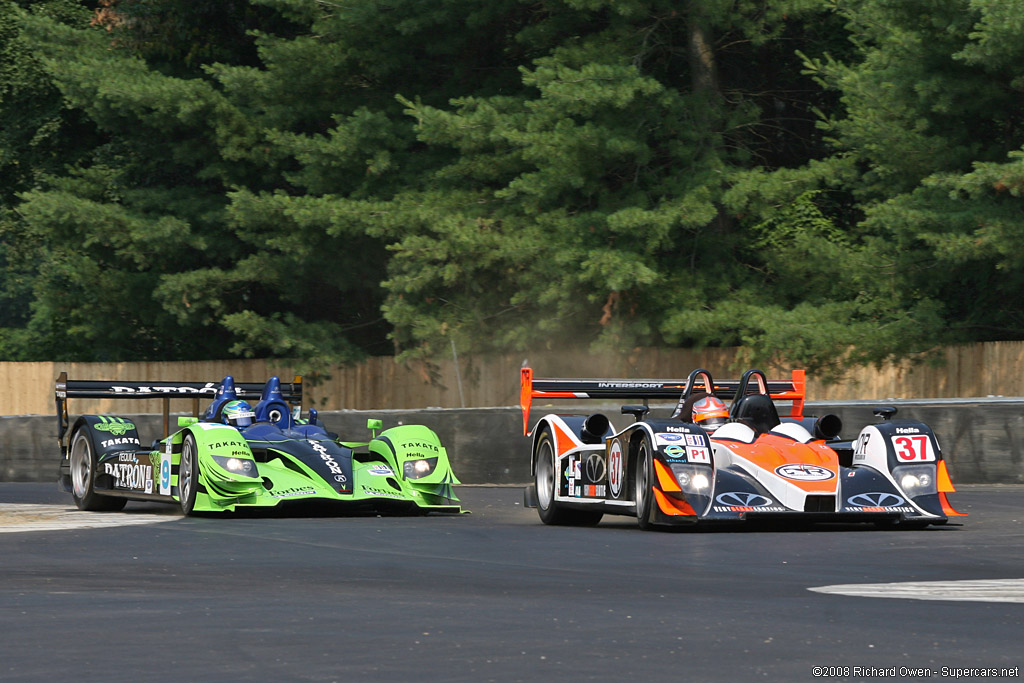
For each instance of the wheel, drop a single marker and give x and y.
(83, 476)
(547, 484)
(188, 474)
(643, 481)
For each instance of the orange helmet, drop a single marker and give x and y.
(710, 413)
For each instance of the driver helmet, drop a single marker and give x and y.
(237, 414)
(710, 413)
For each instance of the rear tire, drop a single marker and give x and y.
(643, 479)
(82, 457)
(546, 478)
(188, 475)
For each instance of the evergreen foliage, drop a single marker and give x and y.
(823, 183)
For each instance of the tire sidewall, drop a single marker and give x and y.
(189, 475)
(545, 462)
(643, 481)
(82, 484)
(83, 490)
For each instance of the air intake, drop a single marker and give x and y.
(820, 504)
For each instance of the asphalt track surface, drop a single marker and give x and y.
(496, 595)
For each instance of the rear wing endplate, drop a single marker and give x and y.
(793, 389)
(66, 389)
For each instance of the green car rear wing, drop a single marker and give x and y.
(67, 389)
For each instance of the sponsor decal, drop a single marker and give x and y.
(209, 388)
(743, 499)
(596, 468)
(875, 500)
(370, 491)
(675, 451)
(292, 493)
(908, 430)
(120, 441)
(594, 491)
(677, 430)
(615, 468)
(804, 472)
(332, 464)
(114, 428)
(380, 471)
(896, 508)
(130, 476)
(694, 440)
(669, 437)
(630, 385)
(572, 472)
(229, 444)
(698, 454)
(741, 508)
(422, 445)
(127, 456)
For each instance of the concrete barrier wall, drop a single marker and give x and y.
(981, 439)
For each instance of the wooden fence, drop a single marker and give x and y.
(976, 370)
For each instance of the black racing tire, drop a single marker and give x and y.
(546, 478)
(82, 458)
(188, 475)
(643, 482)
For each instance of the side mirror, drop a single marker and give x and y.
(885, 412)
(187, 420)
(373, 425)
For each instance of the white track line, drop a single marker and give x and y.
(993, 590)
(15, 517)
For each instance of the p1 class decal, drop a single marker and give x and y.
(804, 472)
(615, 468)
(742, 499)
(875, 500)
(698, 454)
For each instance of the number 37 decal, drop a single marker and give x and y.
(913, 448)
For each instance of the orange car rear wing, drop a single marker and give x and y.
(531, 387)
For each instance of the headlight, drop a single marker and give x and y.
(692, 478)
(234, 465)
(420, 467)
(915, 480)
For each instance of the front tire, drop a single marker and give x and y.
(188, 475)
(643, 479)
(546, 478)
(83, 475)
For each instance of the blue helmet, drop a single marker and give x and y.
(237, 414)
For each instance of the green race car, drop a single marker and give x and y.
(240, 455)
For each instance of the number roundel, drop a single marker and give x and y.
(913, 448)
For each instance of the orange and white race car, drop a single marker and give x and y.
(707, 463)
